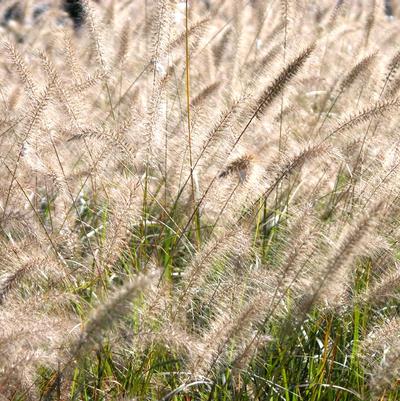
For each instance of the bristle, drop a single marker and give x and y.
(359, 69)
(279, 83)
(240, 166)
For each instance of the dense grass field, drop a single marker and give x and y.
(199, 200)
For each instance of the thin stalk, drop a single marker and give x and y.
(187, 81)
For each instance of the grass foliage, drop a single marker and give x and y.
(199, 201)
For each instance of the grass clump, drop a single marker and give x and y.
(199, 201)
